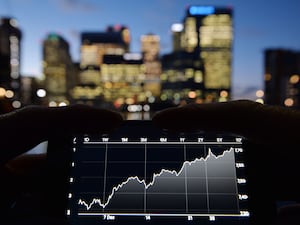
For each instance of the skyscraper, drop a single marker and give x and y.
(206, 36)
(177, 29)
(122, 79)
(114, 41)
(150, 46)
(10, 38)
(282, 77)
(57, 68)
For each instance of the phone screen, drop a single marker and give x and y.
(141, 174)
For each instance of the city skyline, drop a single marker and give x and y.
(258, 26)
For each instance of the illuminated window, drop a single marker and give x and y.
(201, 10)
(268, 77)
(259, 93)
(198, 76)
(217, 69)
(294, 79)
(224, 94)
(191, 36)
(288, 102)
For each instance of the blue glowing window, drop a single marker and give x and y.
(201, 10)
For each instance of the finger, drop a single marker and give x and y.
(212, 116)
(25, 128)
(27, 164)
(82, 118)
(258, 122)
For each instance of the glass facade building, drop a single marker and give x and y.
(282, 77)
(200, 63)
(10, 42)
(58, 69)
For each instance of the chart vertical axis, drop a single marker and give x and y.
(104, 174)
(185, 181)
(206, 181)
(145, 178)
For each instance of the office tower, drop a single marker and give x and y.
(176, 29)
(122, 79)
(32, 91)
(57, 69)
(94, 45)
(10, 39)
(115, 40)
(205, 38)
(182, 78)
(150, 46)
(282, 76)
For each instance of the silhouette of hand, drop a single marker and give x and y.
(25, 187)
(273, 157)
(25, 128)
(259, 123)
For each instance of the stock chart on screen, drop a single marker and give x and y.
(146, 179)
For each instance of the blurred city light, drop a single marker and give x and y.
(268, 77)
(259, 100)
(135, 108)
(9, 94)
(146, 108)
(288, 102)
(259, 93)
(294, 79)
(62, 104)
(177, 27)
(2, 92)
(224, 94)
(192, 94)
(52, 104)
(16, 104)
(41, 93)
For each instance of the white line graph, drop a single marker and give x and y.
(182, 172)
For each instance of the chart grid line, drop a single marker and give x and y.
(164, 143)
(185, 180)
(105, 171)
(145, 177)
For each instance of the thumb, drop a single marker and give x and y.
(25, 128)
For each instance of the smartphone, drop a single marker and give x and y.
(141, 174)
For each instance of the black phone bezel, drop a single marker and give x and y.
(60, 156)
